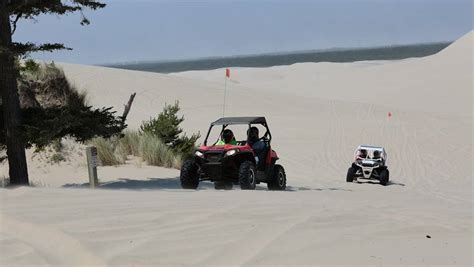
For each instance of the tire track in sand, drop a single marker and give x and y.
(244, 250)
(57, 247)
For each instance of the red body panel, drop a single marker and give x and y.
(225, 147)
(270, 155)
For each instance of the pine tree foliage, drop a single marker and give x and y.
(166, 127)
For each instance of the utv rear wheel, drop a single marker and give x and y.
(350, 175)
(223, 185)
(247, 176)
(384, 177)
(189, 175)
(278, 180)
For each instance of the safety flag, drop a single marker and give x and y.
(227, 73)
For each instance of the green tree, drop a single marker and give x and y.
(166, 127)
(11, 11)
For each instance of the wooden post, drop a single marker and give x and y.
(91, 153)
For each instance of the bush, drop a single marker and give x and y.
(56, 158)
(166, 128)
(30, 65)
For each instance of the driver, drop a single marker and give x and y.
(227, 138)
(362, 154)
(254, 141)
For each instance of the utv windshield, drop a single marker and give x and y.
(218, 133)
(370, 153)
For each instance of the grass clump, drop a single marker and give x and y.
(130, 143)
(155, 152)
(114, 151)
(106, 151)
(160, 142)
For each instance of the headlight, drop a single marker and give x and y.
(199, 154)
(231, 152)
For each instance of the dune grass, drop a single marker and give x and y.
(114, 151)
(106, 151)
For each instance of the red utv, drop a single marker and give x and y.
(237, 163)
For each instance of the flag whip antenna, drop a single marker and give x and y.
(227, 75)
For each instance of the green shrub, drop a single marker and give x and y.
(30, 65)
(56, 158)
(57, 145)
(166, 128)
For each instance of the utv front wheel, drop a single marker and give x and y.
(189, 175)
(278, 180)
(350, 175)
(247, 176)
(384, 177)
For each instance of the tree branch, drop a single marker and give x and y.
(128, 106)
(22, 49)
(18, 16)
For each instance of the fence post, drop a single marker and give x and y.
(91, 153)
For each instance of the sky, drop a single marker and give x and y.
(162, 30)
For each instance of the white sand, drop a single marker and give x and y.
(318, 113)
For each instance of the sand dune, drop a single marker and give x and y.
(318, 114)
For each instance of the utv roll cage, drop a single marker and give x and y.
(369, 148)
(226, 121)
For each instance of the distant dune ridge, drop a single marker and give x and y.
(318, 113)
(286, 58)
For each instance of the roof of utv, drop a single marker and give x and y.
(370, 147)
(240, 120)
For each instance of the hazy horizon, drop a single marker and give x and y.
(330, 49)
(146, 31)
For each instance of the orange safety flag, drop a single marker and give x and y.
(227, 73)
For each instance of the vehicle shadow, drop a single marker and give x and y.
(136, 184)
(302, 188)
(377, 183)
(174, 183)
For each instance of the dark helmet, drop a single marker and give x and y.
(363, 152)
(227, 136)
(376, 154)
(252, 133)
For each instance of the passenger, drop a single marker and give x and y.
(254, 140)
(377, 155)
(227, 138)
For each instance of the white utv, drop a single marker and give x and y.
(369, 163)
